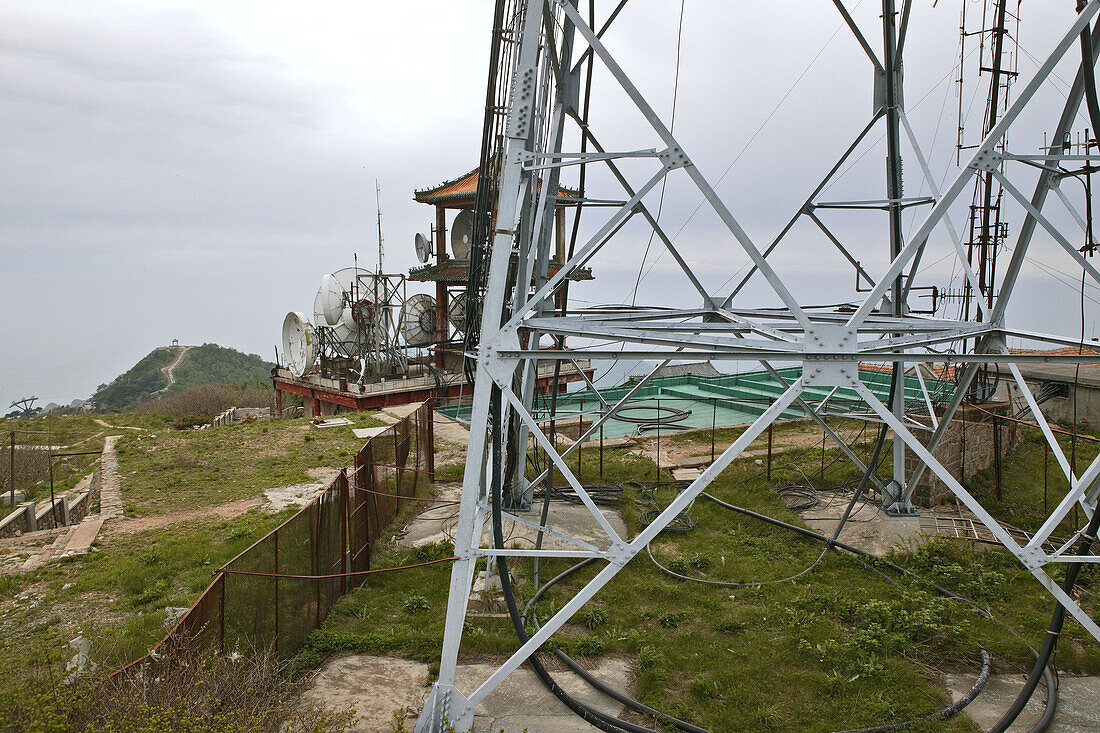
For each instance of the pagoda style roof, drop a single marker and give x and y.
(461, 192)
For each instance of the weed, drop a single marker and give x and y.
(590, 646)
(649, 658)
(593, 617)
(669, 620)
(415, 604)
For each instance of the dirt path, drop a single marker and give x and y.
(169, 371)
(229, 510)
(106, 424)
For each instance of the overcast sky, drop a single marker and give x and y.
(189, 170)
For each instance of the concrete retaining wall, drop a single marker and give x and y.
(968, 446)
(236, 414)
(50, 515)
(19, 521)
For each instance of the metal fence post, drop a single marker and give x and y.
(221, 614)
(821, 471)
(11, 469)
(431, 439)
(771, 401)
(580, 434)
(1046, 463)
(345, 490)
(601, 452)
(657, 474)
(997, 456)
(315, 550)
(275, 538)
(713, 424)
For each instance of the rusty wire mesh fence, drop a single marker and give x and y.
(273, 594)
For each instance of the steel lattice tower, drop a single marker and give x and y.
(828, 343)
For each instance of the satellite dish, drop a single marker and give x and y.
(331, 299)
(344, 296)
(423, 248)
(456, 313)
(462, 234)
(299, 344)
(418, 320)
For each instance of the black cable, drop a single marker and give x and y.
(584, 673)
(590, 715)
(1058, 617)
(944, 713)
(1054, 631)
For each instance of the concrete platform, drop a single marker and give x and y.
(368, 433)
(436, 524)
(1078, 703)
(380, 687)
(868, 527)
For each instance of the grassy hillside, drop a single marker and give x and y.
(213, 364)
(137, 383)
(206, 364)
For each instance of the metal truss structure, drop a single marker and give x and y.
(828, 342)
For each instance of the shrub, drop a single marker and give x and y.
(208, 401)
(590, 646)
(187, 422)
(669, 620)
(187, 690)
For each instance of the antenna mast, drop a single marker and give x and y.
(987, 231)
(378, 208)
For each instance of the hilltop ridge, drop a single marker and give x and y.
(167, 369)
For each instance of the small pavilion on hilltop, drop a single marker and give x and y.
(447, 272)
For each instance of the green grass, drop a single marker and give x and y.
(117, 594)
(844, 646)
(79, 433)
(1023, 501)
(177, 470)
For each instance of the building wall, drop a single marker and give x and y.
(967, 447)
(1060, 409)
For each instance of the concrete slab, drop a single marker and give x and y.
(333, 422)
(402, 411)
(686, 474)
(368, 433)
(80, 541)
(380, 687)
(376, 687)
(281, 497)
(110, 488)
(1078, 710)
(436, 524)
(868, 527)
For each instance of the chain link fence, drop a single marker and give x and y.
(273, 594)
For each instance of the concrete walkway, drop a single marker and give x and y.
(79, 540)
(110, 493)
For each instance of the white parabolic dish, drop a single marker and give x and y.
(299, 343)
(331, 308)
(462, 234)
(417, 319)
